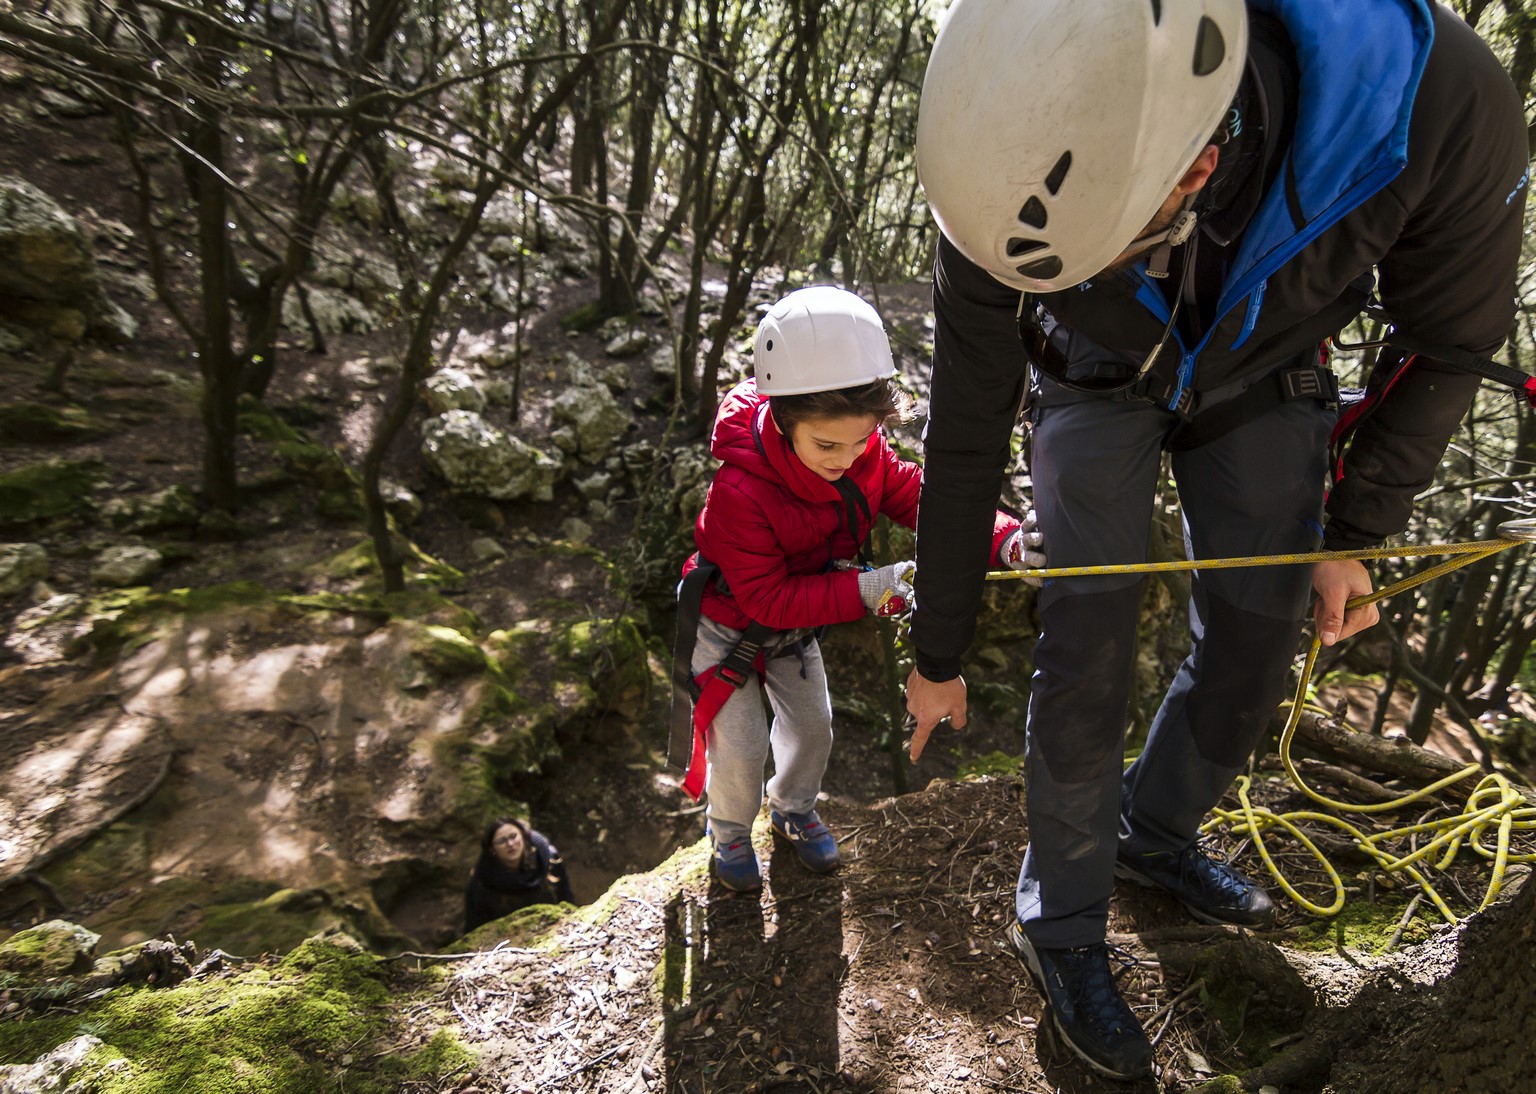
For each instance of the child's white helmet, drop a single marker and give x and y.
(820, 339)
(1050, 131)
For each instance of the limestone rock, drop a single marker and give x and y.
(595, 486)
(664, 364)
(68, 1069)
(48, 631)
(452, 389)
(594, 415)
(173, 507)
(486, 549)
(48, 276)
(477, 458)
(400, 502)
(122, 566)
(20, 565)
(628, 343)
(335, 311)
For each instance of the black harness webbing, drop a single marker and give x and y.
(736, 668)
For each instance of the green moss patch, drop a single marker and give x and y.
(1366, 926)
(444, 652)
(41, 493)
(33, 423)
(320, 1019)
(993, 763)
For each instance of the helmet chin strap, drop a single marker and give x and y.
(1176, 235)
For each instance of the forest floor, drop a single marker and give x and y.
(891, 975)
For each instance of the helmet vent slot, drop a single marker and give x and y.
(1018, 247)
(1057, 176)
(1041, 269)
(1210, 47)
(1033, 214)
(1157, 12)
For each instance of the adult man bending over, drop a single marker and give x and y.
(1173, 204)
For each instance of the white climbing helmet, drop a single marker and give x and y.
(1051, 131)
(820, 339)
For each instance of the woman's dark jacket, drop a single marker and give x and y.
(496, 890)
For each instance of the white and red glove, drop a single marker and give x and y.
(887, 590)
(1021, 549)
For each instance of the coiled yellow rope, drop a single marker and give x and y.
(1494, 802)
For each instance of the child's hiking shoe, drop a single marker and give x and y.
(1086, 1006)
(736, 865)
(810, 838)
(1212, 891)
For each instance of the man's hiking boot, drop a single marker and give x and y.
(810, 838)
(1212, 891)
(1086, 1006)
(736, 865)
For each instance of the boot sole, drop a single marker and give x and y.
(1026, 954)
(1129, 874)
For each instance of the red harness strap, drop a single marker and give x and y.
(714, 691)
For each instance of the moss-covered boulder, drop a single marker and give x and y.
(41, 494)
(328, 1016)
(54, 948)
(40, 423)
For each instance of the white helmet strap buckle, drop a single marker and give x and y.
(1177, 235)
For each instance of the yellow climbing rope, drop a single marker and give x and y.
(1494, 802)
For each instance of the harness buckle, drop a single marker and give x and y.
(1310, 382)
(732, 675)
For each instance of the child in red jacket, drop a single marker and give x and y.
(782, 551)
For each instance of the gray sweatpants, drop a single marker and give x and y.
(1257, 490)
(740, 739)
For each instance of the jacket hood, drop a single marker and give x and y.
(1346, 146)
(745, 436)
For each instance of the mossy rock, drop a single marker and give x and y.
(248, 917)
(444, 652)
(54, 948)
(586, 318)
(39, 423)
(255, 419)
(612, 656)
(360, 562)
(41, 493)
(322, 1018)
(125, 619)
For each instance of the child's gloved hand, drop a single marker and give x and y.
(886, 590)
(1021, 549)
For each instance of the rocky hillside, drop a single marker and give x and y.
(892, 975)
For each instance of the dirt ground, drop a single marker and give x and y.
(892, 975)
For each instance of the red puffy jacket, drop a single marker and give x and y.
(774, 526)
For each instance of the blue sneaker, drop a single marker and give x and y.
(811, 840)
(736, 865)
(1212, 891)
(1086, 1006)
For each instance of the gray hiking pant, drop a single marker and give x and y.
(1257, 490)
(740, 739)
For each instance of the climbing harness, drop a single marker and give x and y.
(1494, 806)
